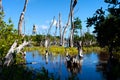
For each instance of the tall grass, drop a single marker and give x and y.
(63, 50)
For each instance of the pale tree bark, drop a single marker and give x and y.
(60, 29)
(22, 18)
(55, 41)
(72, 24)
(1, 7)
(56, 29)
(79, 45)
(64, 30)
(68, 22)
(0, 4)
(71, 32)
(46, 43)
(51, 26)
(9, 58)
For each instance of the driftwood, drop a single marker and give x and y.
(19, 48)
(9, 58)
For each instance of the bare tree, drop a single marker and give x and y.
(64, 30)
(47, 39)
(51, 26)
(72, 26)
(60, 29)
(72, 5)
(55, 41)
(1, 7)
(21, 19)
(0, 4)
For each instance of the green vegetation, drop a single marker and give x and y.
(107, 36)
(7, 36)
(61, 50)
(107, 28)
(19, 72)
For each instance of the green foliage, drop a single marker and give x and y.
(76, 38)
(88, 37)
(107, 27)
(61, 50)
(20, 72)
(111, 1)
(77, 25)
(37, 39)
(7, 35)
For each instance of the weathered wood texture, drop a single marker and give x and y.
(22, 18)
(9, 58)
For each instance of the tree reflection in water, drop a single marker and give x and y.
(85, 69)
(109, 67)
(74, 68)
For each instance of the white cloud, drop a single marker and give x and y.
(44, 27)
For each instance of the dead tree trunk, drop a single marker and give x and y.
(72, 24)
(51, 26)
(1, 7)
(20, 47)
(0, 4)
(64, 30)
(55, 42)
(60, 29)
(71, 32)
(22, 18)
(9, 58)
(47, 39)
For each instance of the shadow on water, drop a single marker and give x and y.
(110, 68)
(88, 68)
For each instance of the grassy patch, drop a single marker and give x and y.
(61, 50)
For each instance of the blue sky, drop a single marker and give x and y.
(41, 12)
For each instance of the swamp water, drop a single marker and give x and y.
(57, 65)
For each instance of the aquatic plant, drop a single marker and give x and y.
(62, 50)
